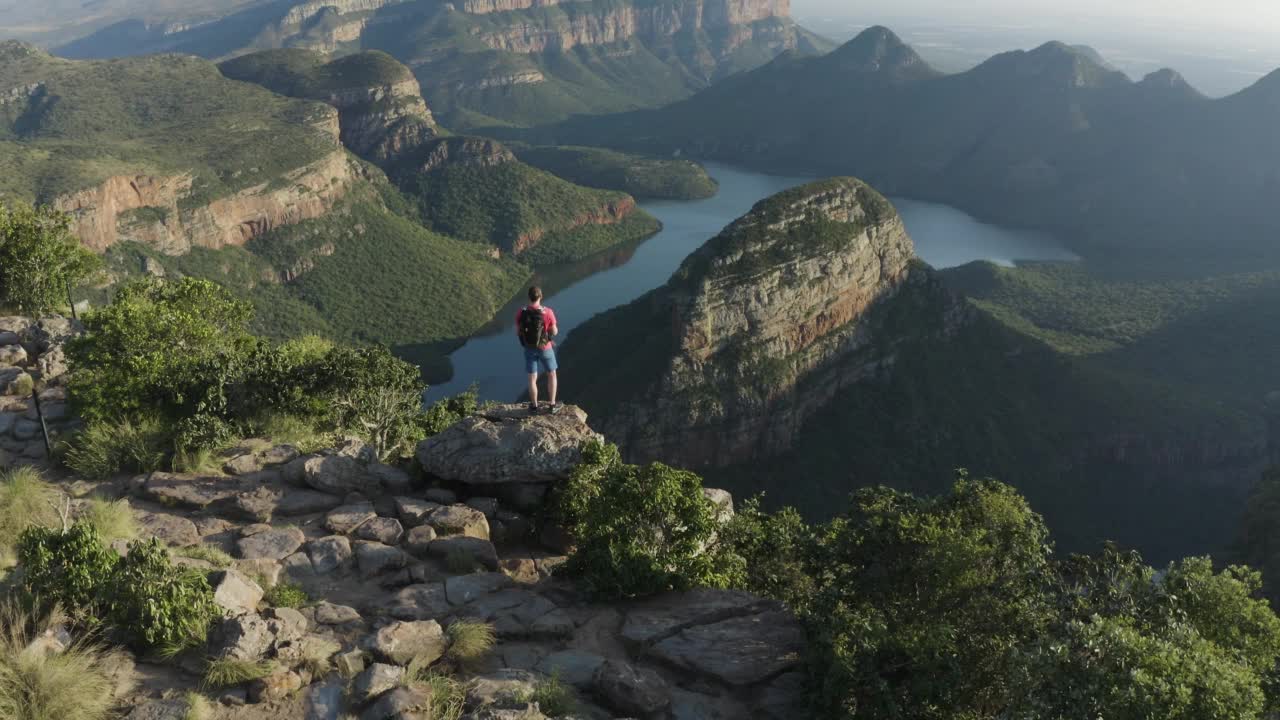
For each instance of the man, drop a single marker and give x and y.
(536, 327)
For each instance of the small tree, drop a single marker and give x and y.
(639, 530)
(39, 257)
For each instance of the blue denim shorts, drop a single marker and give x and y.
(545, 358)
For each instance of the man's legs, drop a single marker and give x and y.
(552, 385)
(533, 389)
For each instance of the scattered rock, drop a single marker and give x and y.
(739, 651)
(441, 496)
(515, 612)
(413, 512)
(207, 526)
(280, 455)
(172, 530)
(504, 688)
(482, 551)
(664, 615)
(193, 492)
(521, 570)
(12, 354)
(374, 681)
(350, 663)
(329, 553)
(337, 474)
(400, 642)
(234, 592)
(357, 450)
(374, 558)
(242, 464)
(297, 567)
(486, 505)
(160, 710)
(417, 602)
(345, 519)
(266, 572)
(400, 704)
(631, 690)
(379, 529)
(504, 445)
(245, 637)
(572, 666)
(463, 589)
(419, 540)
(324, 701)
(329, 614)
(257, 505)
(459, 520)
(272, 545)
(306, 502)
(275, 687)
(392, 480)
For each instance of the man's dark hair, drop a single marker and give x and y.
(535, 294)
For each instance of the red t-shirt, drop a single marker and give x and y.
(548, 321)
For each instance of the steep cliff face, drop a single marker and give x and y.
(759, 328)
(158, 212)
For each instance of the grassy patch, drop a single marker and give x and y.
(105, 449)
(198, 707)
(227, 672)
(448, 696)
(317, 656)
(207, 553)
(75, 684)
(113, 519)
(25, 500)
(469, 640)
(553, 696)
(286, 595)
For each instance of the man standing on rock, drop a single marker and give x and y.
(536, 327)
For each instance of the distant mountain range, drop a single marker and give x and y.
(1048, 138)
(485, 62)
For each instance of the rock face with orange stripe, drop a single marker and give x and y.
(756, 332)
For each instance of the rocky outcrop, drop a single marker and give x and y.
(733, 20)
(759, 329)
(383, 122)
(33, 364)
(461, 150)
(506, 452)
(157, 210)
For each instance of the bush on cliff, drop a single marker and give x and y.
(142, 598)
(953, 607)
(39, 258)
(77, 683)
(638, 530)
(177, 358)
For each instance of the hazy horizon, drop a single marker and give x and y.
(1219, 52)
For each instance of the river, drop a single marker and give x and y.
(944, 237)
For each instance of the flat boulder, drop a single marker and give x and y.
(481, 552)
(424, 601)
(338, 475)
(387, 531)
(234, 592)
(306, 502)
(630, 690)
(739, 651)
(345, 519)
(459, 520)
(505, 445)
(193, 492)
(400, 642)
(329, 553)
(275, 544)
(171, 530)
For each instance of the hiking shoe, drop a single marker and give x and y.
(556, 408)
(533, 408)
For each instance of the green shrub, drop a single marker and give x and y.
(155, 604)
(75, 684)
(39, 258)
(444, 413)
(228, 672)
(448, 696)
(768, 554)
(108, 448)
(639, 530)
(287, 595)
(373, 394)
(469, 640)
(159, 347)
(25, 500)
(67, 569)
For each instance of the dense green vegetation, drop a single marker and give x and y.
(164, 115)
(951, 606)
(642, 177)
(39, 258)
(1215, 336)
(364, 273)
(512, 205)
(172, 369)
(296, 72)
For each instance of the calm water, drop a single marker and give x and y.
(944, 237)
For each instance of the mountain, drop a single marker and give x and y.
(526, 212)
(1047, 138)
(806, 341)
(168, 167)
(487, 62)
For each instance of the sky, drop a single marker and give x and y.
(1246, 16)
